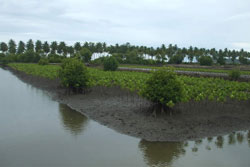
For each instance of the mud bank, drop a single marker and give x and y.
(127, 113)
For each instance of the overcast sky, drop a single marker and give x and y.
(201, 23)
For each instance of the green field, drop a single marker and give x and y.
(185, 69)
(196, 89)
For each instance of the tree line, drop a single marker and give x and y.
(32, 51)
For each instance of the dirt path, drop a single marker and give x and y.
(127, 113)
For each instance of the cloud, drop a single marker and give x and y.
(241, 45)
(206, 23)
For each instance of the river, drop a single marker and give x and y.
(37, 131)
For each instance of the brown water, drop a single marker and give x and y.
(37, 131)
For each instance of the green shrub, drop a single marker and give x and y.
(85, 54)
(206, 61)
(243, 60)
(221, 60)
(164, 88)
(43, 61)
(74, 74)
(4, 61)
(110, 64)
(177, 59)
(234, 74)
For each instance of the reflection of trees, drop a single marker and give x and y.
(219, 142)
(72, 120)
(161, 153)
(231, 139)
(165, 153)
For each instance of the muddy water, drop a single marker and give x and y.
(37, 131)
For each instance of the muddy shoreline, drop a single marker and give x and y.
(127, 113)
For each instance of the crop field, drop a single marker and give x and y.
(185, 69)
(195, 88)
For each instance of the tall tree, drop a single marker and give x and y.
(53, 47)
(85, 55)
(21, 47)
(30, 45)
(38, 47)
(12, 46)
(46, 47)
(70, 50)
(3, 47)
(77, 46)
(61, 47)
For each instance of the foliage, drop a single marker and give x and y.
(30, 45)
(3, 59)
(127, 53)
(3, 47)
(243, 60)
(30, 56)
(221, 60)
(206, 61)
(21, 47)
(195, 89)
(110, 64)
(177, 59)
(234, 74)
(46, 71)
(46, 47)
(184, 69)
(12, 46)
(164, 88)
(43, 61)
(54, 58)
(85, 55)
(74, 74)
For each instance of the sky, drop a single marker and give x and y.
(202, 23)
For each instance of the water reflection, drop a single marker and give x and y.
(72, 120)
(160, 154)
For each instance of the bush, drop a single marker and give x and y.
(110, 64)
(234, 74)
(221, 60)
(85, 55)
(4, 61)
(164, 88)
(74, 75)
(177, 59)
(206, 61)
(243, 60)
(43, 61)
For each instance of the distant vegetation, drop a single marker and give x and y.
(110, 64)
(55, 52)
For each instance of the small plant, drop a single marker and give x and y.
(164, 88)
(206, 61)
(234, 74)
(43, 61)
(74, 75)
(110, 64)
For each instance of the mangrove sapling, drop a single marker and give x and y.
(74, 75)
(164, 89)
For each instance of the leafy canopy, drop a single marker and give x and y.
(74, 74)
(164, 88)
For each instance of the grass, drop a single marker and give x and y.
(186, 69)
